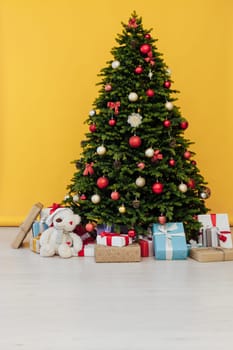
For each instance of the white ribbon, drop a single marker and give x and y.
(165, 230)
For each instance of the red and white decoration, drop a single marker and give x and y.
(113, 239)
(219, 226)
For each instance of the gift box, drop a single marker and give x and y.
(85, 236)
(87, 250)
(34, 243)
(129, 253)
(215, 231)
(113, 239)
(146, 246)
(26, 226)
(210, 254)
(104, 228)
(38, 227)
(169, 241)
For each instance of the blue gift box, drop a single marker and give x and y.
(169, 241)
(104, 228)
(38, 227)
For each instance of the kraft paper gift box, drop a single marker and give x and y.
(38, 227)
(129, 253)
(169, 241)
(113, 239)
(210, 254)
(215, 231)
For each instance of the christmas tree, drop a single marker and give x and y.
(136, 166)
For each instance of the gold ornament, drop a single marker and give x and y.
(122, 209)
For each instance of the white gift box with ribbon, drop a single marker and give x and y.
(215, 230)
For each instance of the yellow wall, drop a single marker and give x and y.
(50, 55)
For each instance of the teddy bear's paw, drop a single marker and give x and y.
(47, 250)
(64, 251)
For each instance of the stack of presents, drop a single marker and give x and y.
(166, 242)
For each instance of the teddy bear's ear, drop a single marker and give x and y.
(50, 218)
(77, 219)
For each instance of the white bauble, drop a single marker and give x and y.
(183, 188)
(140, 181)
(169, 105)
(76, 198)
(149, 152)
(115, 64)
(133, 96)
(203, 195)
(101, 150)
(95, 198)
(92, 113)
(168, 71)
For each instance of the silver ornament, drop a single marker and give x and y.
(133, 96)
(115, 64)
(169, 105)
(150, 75)
(140, 181)
(183, 188)
(92, 113)
(101, 150)
(95, 199)
(76, 198)
(149, 152)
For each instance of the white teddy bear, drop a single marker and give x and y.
(59, 239)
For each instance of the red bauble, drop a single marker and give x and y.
(135, 141)
(115, 195)
(83, 197)
(187, 154)
(112, 122)
(150, 93)
(145, 48)
(89, 227)
(102, 182)
(92, 128)
(193, 162)
(172, 162)
(108, 87)
(138, 70)
(167, 123)
(167, 84)
(147, 36)
(162, 219)
(157, 187)
(184, 124)
(191, 183)
(141, 165)
(131, 233)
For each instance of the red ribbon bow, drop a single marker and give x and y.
(157, 156)
(222, 236)
(150, 58)
(114, 105)
(54, 207)
(88, 169)
(132, 23)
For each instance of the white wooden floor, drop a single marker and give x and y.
(57, 304)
